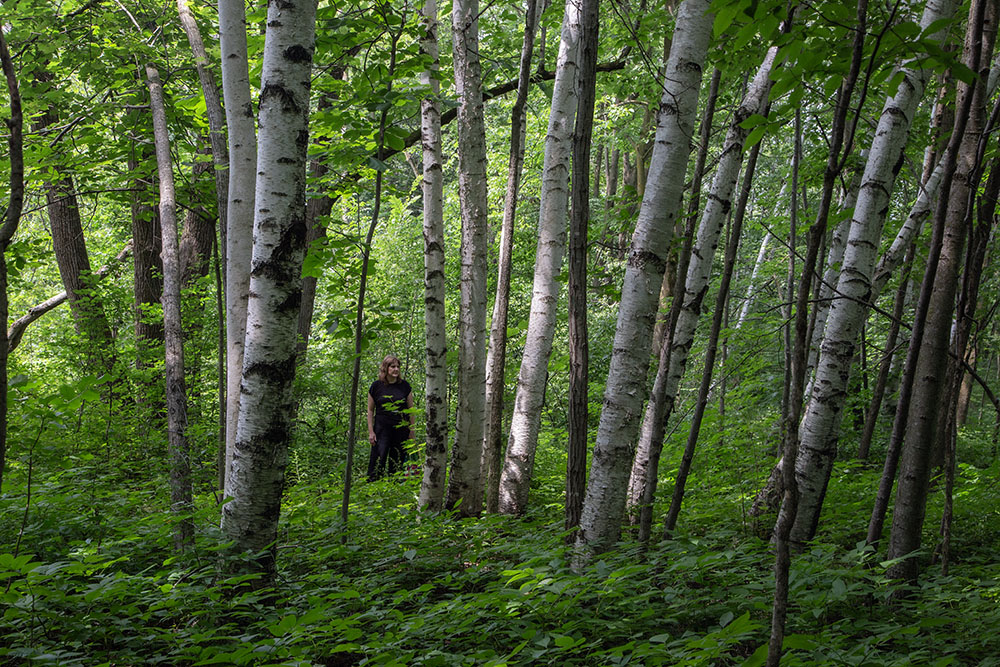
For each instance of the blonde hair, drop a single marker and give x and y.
(383, 369)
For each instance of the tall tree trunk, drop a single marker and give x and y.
(673, 358)
(432, 486)
(841, 144)
(531, 379)
(213, 110)
(11, 219)
(464, 488)
(238, 237)
(496, 356)
(579, 352)
(932, 360)
(668, 318)
(180, 460)
(820, 425)
(604, 502)
(256, 478)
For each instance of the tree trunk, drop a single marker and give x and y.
(673, 358)
(667, 290)
(70, 249)
(820, 425)
(11, 219)
(525, 421)
(464, 489)
(432, 486)
(238, 238)
(256, 478)
(941, 281)
(496, 356)
(604, 502)
(579, 352)
(180, 459)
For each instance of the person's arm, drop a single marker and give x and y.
(410, 414)
(371, 419)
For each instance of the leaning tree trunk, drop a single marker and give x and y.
(240, 207)
(819, 429)
(256, 478)
(213, 110)
(496, 355)
(673, 358)
(604, 502)
(177, 442)
(11, 219)
(466, 456)
(436, 381)
(531, 379)
(932, 360)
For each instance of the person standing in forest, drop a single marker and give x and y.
(389, 401)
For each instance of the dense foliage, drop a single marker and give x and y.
(95, 581)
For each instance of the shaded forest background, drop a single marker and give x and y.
(117, 260)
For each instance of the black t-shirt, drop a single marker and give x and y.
(390, 401)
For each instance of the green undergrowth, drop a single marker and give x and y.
(95, 583)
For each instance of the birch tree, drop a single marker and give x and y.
(256, 478)
(466, 455)
(604, 502)
(240, 207)
(938, 292)
(496, 355)
(673, 357)
(436, 382)
(819, 429)
(552, 219)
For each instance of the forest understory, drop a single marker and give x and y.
(94, 579)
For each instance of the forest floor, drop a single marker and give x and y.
(88, 578)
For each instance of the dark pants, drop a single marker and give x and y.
(387, 454)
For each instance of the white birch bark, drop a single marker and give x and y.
(673, 361)
(496, 354)
(834, 257)
(754, 279)
(239, 216)
(260, 454)
(908, 232)
(604, 503)
(552, 226)
(466, 455)
(436, 382)
(821, 419)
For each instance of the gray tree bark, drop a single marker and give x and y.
(464, 488)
